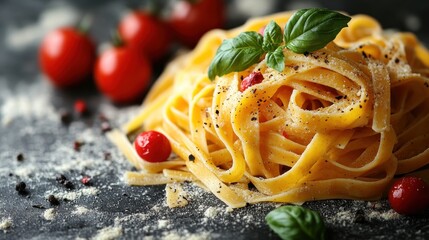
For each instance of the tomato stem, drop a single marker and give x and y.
(154, 7)
(192, 1)
(117, 40)
(84, 24)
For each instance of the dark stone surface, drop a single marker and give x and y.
(47, 148)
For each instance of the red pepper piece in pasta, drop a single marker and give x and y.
(252, 79)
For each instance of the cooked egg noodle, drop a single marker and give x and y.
(339, 122)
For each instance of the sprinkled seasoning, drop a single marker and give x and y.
(20, 157)
(359, 216)
(61, 179)
(102, 117)
(107, 156)
(69, 185)
(77, 145)
(86, 180)
(105, 127)
(38, 206)
(80, 107)
(53, 200)
(191, 157)
(65, 117)
(21, 188)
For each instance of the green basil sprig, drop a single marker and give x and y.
(306, 31)
(236, 54)
(296, 222)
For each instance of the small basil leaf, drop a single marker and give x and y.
(296, 222)
(276, 59)
(272, 37)
(236, 54)
(309, 30)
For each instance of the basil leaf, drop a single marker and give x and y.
(236, 54)
(309, 30)
(272, 37)
(276, 59)
(296, 222)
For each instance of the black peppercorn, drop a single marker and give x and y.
(21, 187)
(20, 157)
(53, 200)
(61, 179)
(68, 184)
(65, 117)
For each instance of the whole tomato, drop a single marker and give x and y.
(67, 56)
(122, 74)
(152, 146)
(146, 33)
(409, 195)
(191, 19)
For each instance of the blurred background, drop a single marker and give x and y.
(23, 23)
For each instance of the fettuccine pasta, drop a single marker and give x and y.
(337, 123)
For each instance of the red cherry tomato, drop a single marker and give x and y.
(145, 33)
(409, 195)
(67, 56)
(252, 79)
(190, 21)
(122, 74)
(152, 146)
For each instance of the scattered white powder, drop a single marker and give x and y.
(25, 172)
(185, 235)
(342, 218)
(156, 208)
(80, 210)
(87, 136)
(49, 214)
(5, 224)
(19, 38)
(211, 212)
(78, 164)
(229, 209)
(108, 233)
(136, 217)
(389, 215)
(27, 102)
(162, 223)
(73, 195)
(374, 205)
(119, 116)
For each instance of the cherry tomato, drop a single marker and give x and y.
(67, 56)
(152, 146)
(146, 33)
(122, 74)
(191, 19)
(252, 79)
(409, 195)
